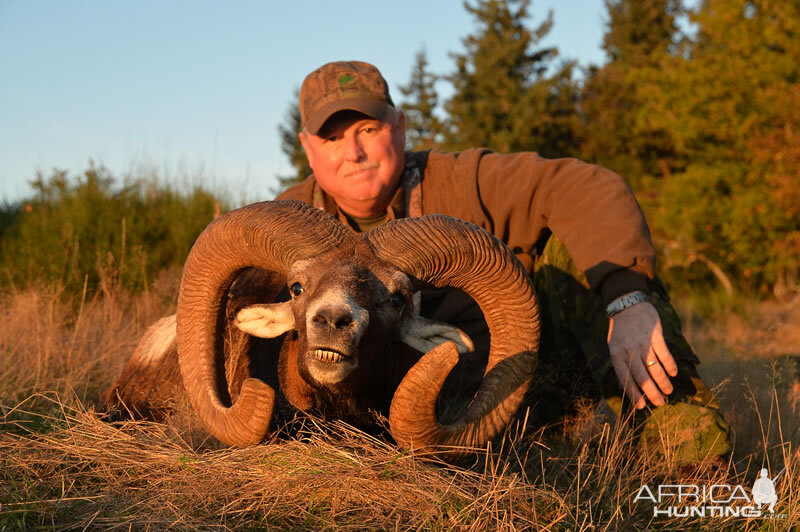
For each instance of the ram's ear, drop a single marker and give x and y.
(266, 321)
(423, 334)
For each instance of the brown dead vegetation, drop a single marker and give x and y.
(62, 467)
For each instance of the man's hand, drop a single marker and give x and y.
(640, 355)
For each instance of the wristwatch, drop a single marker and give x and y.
(625, 301)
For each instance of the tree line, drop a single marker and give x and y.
(697, 107)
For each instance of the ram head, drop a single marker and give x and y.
(350, 306)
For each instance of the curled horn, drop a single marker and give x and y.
(270, 236)
(447, 252)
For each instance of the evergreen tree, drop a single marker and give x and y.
(290, 145)
(619, 134)
(504, 99)
(423, 127)
(637, 30)
(730, 105)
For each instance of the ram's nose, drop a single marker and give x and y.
(339, 318)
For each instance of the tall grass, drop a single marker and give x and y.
(62, 467)
(751, 354)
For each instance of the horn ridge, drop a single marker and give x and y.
(448, 252)
(268, 235)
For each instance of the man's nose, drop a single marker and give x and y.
(353, 150)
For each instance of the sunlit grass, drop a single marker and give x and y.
(61, 466)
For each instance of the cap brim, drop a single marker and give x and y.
(372, 108)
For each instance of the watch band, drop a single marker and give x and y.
(625, 301)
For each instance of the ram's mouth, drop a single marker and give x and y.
(328, 367)
(328, 356)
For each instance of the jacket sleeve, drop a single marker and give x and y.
(589, 208)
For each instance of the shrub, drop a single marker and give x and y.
(76, 232)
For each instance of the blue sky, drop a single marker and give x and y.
(195, 90)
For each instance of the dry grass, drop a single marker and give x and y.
(62, 467)
(52, 343)
(752, 358)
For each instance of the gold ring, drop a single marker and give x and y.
(652, 362)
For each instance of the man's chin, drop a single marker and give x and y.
(365, 207)
(364, 195)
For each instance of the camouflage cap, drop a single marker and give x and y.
(340, 86)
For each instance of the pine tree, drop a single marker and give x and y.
(504, 99)
(290, 145)
(423, 127)
(637, 30)
(640, 38)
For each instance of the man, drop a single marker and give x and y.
(354, 139)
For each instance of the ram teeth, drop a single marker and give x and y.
(327, 356)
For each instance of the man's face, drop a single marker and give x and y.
(358, 160)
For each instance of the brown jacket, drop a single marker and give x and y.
(520, 198)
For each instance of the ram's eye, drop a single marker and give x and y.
(296, 289)
(397, 300)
